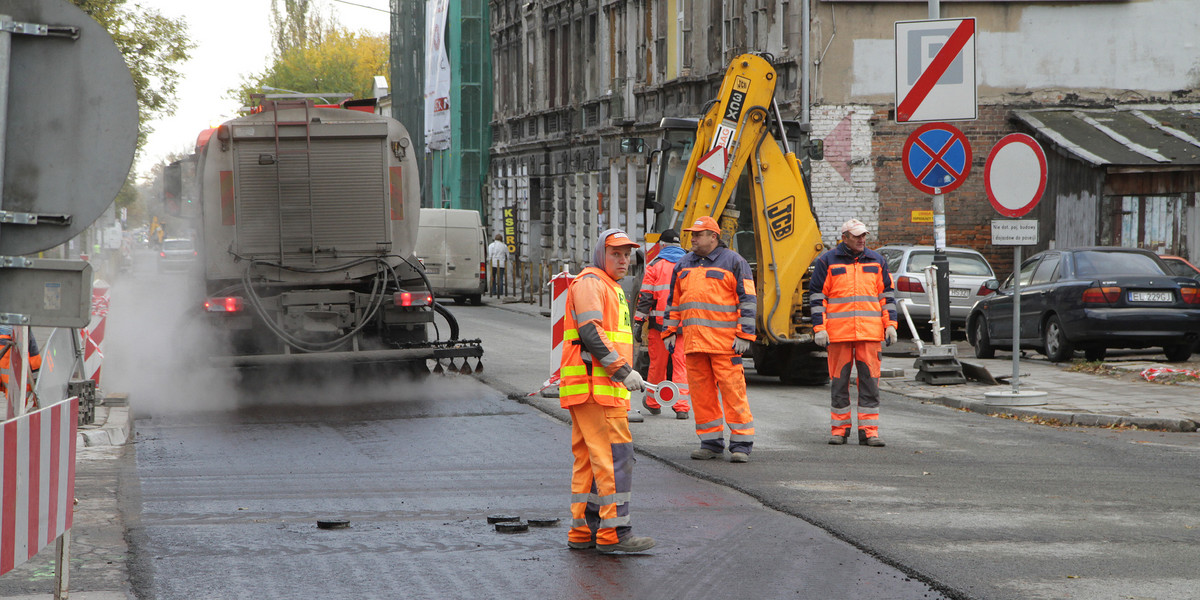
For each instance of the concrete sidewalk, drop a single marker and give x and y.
(1072, 398)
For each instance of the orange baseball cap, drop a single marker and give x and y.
(619, 239)
(704, 224)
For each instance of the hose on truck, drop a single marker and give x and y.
(379, 287)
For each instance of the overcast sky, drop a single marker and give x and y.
(233, 38)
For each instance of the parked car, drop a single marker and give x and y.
(969, 271)
(1180, 266)
(177, 254)
(1091, 299)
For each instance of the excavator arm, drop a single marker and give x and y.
(733, 133)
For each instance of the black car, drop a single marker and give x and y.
(1091, 299)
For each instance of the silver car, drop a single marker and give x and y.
(177, 255)
(969, 271)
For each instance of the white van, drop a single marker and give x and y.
(450, 243)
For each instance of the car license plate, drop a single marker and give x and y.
(959, 292)
(1151, 297)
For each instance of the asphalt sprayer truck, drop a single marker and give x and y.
(307, 223)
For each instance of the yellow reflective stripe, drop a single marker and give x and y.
(571, 370)
(573, 390)
(620, 337)
(571, 334)
(608, 390)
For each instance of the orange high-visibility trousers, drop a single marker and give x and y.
(709, 374)
(603, 473)
(865, 357)
(667, 365)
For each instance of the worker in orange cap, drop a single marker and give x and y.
(597, 375)
(713, 304)
(665, 365)
(8, 349)
(853, 310)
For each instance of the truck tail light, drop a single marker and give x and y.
(229, 304)
(909, 284)
(483, 271)
(1190, 295)
(413, 298)
(1101, 295)
(162, 254)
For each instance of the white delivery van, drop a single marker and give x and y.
(450, 243)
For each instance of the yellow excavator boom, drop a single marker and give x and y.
(735, 132)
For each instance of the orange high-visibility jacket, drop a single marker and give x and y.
(851, 296)
(656, 287)
(597, 342)
(713, 300)
(35, 357)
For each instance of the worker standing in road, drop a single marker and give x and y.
(597, 375)
(498, 259)
(665, 365)
(712, 307)
(853, 310)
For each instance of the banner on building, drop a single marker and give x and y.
(510, 228)
(437, 77)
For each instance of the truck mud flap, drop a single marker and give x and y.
(438, 350)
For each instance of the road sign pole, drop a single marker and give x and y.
(1016, 324)
(942, 264)
(5, 56)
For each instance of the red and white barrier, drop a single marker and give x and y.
(558, 314)
(37, 490)
(93, 336)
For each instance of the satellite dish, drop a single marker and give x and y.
(72, 125)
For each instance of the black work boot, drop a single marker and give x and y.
(838, 440)
(874, 440)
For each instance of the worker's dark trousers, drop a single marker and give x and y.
(865, 357)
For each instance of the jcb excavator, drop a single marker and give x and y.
(771, 224)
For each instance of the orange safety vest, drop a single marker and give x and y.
(594, 296)
(713, 300)
(35, 361)
(852, 298)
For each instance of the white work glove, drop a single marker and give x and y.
(669, 342)
(822, 338)
(740, 346)
(889, 336)
(633, 381)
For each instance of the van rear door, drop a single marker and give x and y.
(432, 248)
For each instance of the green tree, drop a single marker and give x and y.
(324, 58)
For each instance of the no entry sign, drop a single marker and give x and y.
(1015, 175)
(936, 158)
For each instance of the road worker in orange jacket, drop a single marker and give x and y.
(665, 365)
(853, 310)
(713, 304)
(597, 375)
(7, 348)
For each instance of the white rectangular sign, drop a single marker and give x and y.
(1018, 232)
(935, 70)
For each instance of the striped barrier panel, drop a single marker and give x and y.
(93, 336)
(558, 315)
(37, 490)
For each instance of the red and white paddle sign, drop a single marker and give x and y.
(1015, 175)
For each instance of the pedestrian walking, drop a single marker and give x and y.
(665, 365)
(498, 259)
(853, 310)
(711, 310)
(597, 376)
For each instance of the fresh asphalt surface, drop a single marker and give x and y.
(984, 507)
